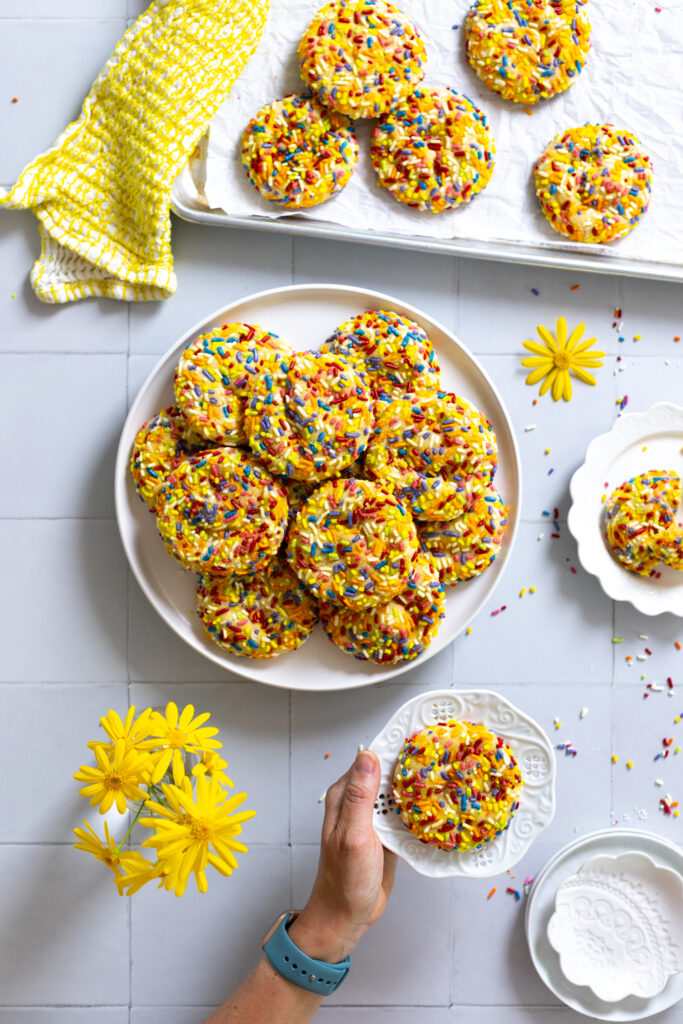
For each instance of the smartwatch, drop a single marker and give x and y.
(294, 965)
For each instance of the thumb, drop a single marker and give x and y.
(358, 801)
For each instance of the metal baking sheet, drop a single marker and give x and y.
(189, 203)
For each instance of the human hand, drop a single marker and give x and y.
(355, 872)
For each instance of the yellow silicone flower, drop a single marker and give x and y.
(556, 358)
(176, 734)
(134, 733)
(118, 777)
(190, 833)
(213, 765)
(127, 861)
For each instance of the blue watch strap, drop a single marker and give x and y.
(289, 961)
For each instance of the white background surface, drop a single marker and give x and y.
(77, 637)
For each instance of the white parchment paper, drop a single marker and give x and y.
(633, 78)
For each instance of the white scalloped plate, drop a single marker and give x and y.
(534, 754)
(610, 459)
(618, 926)
(541, 905)
(305, 315)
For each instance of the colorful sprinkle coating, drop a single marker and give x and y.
(526, 51)
(640, 525)
(311, 418)
(220, 512)
(360, 57)
(213, 377)
(462, 548)
(436, 450)
(434, 151)
(456, 785)
(297, 153)
(160, 444)
(389, 351)
(594, 183)
(353, 543)
(393, 632)
(258, 616)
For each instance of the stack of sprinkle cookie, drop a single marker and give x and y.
(360, 57)
(526, 51)
(433, 151)
(342, 483)
(456, 785)
(640, 522)
(594, 182)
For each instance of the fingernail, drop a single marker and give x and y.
(365, 763)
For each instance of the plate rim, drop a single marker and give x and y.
(625, 835)
(354, 680)
(422, 867)
(642, 602)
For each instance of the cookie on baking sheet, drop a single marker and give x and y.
(459, 549)
(213, 376)
(435, 450)
(311, 419)
(353, 542)
(393, 632)
(393, 354)
(360, 57)
(526, 51)
(594, 182)
(297, 153)
(221, 512)
(257, 616)
(434, 150)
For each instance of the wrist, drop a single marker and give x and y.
(321, 938)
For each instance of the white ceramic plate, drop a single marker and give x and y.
(304, 316)
(541, 905)
(610, 459)
(533, 752)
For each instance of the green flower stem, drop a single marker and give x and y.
(132, 826)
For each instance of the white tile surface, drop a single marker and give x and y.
(77, 636)
(63, 931)
(165, 930)
(62, 463)
(236, 710)
(63, 614)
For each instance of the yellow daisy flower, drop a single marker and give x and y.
(137, 875)
(127, 861)
(213, 765)
(118, 777)
(133, 732)
(556, 358)
(178, 733)
(193, 833)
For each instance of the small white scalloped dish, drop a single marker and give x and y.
(637, 443)
(618, 926)
(532, 750)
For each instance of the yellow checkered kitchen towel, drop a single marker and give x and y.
(102, 193)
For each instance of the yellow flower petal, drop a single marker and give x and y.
(548, 382)
(561, 333)
(547, 337)
(538, 349)
(583, 375)
(575, 337)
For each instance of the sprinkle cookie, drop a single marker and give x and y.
(214, 374)
(360, 57)
(526, 51)
(297, 153)
(394, 632)
(462, 548)
(456, 785)
(594, 183)
(160, 444)
(389, 351)
(353, 543)
(220, 512)
(257, 616)
(435, 450)
(433, 151)
(311, 419)
(640, 524)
